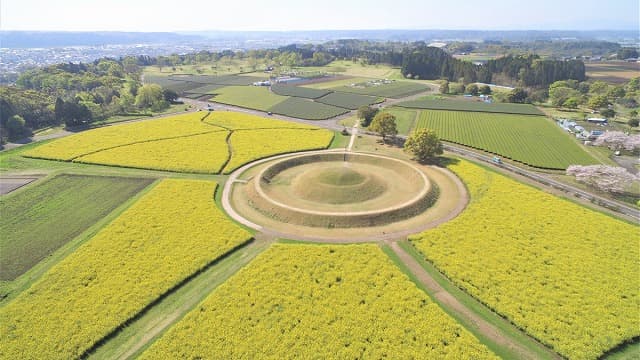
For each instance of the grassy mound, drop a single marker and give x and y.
(339, 185)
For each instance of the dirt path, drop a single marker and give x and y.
(452, 304)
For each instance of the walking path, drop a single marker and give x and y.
(453, 305)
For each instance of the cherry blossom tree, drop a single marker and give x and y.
(617, 140)
(606, 178)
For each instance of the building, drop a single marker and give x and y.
(597, 120)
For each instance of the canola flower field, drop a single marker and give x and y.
(318, 301)
(195, 143)
(565, 274)
(252, 145)
(173, 231)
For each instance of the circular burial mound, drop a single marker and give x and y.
(340, 190)
(342, 196)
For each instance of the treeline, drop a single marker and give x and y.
(525, 70)
(77, 94)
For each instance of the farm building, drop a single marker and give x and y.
(597, 120)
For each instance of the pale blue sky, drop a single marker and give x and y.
(162, 15)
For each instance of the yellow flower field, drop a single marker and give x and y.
(170, 233)
(236, 121)
(205, 153)
(322, 302)
(186, 143)
(566, 274)
(249, 145)
(73, 146)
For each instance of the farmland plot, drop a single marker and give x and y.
(566, 274)
(318, 301)
(532, 140)
(172, 232)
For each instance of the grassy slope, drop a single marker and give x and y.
(66, 203)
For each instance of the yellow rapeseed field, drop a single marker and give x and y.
(321, 302)
(566, 274)
(249, 145)
(236, 121)
(170, 233)
(186, 143)
(107, 137)
(205, 153)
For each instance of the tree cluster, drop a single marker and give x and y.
(526, 70)
(605, 178)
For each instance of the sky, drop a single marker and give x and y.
(246, 15)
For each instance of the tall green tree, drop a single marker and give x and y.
(384, 123)
(366, 114)
(423, 144)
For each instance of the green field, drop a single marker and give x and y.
(298, 91)
(394, 89)
(426, 103)
(348, 100)
(405, 119)
(341, 81)
(217, 80)
(532, 140)
(252, 97)
(306, 109)
(205, 89)
(37, 221)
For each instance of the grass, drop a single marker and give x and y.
(252, 97)
(339, 140)
(350, 68)
(348, 100)
(532, 140)
(306, 109)
(394, 89)
(67, 203)
(336, 83)
(457, 105)
(405, 119)
(298, 91)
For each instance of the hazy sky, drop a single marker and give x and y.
(162, 15)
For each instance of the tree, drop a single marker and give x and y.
(423, 144)
(366, 114)
(598, 101)
(151, 96)
(633, 122)
(384, 124)
(456, 88)
(560, 94)
(16, 128)
(605, 178)
(608, 113)
(517, 95)
(169, 95)
(444, 87)
(598, 87)
(571, 103)
(485, 90)
(472, 89)
(617, 140)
